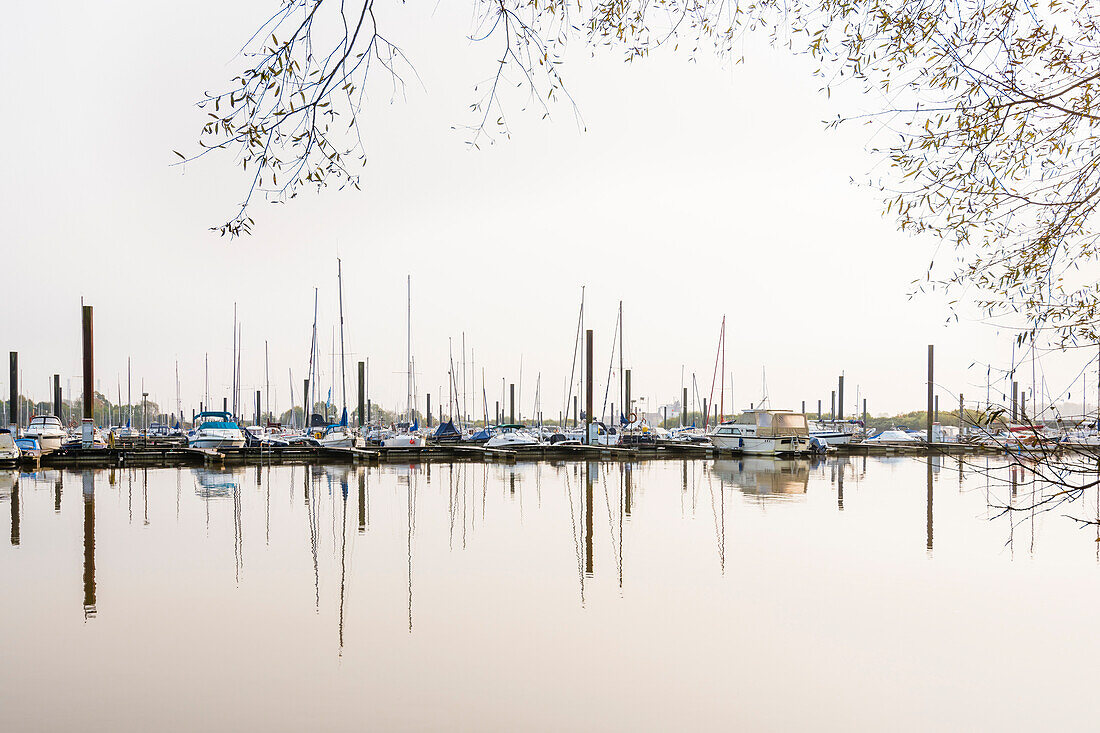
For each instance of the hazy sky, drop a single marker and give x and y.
(696, 190)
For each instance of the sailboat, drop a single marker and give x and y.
(340, 435)
(408, 438)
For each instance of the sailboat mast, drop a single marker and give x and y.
(722, 395)
(408, 346)
(233, 367)
(343, 378)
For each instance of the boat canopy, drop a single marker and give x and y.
(446, 430)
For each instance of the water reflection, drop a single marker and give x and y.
(767, 478)
(88, 480)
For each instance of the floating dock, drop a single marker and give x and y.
(174, 454)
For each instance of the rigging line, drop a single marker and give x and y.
(610, 366)
(576, 348)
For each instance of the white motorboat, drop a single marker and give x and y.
(9, 451)
(510, 436)
(339, 436)
(49, 431)
(765, 432)
(887, 437)
(216, 430)
(835, 432)
(403, 440)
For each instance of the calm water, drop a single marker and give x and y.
(655, 596)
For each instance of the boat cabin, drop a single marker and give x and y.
(765, 424)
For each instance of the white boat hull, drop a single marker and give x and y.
(759, 446)
(833, 439)
(403, 441)
(218, 439)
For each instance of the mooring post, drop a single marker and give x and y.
(369, 406)
(928, 414)
(57, 396)
(13, 390)
(588, 387)
(864, 410)
(574, 410)
(936, 408)
(512, 404)
(832, 409)
(706, 414)
(428, 411)
(225, 404)
(362, 392)
(305, 403)
(840, 398)
(803, 407)
(819, 410)
(87, 427)
(258, 415)
(684, 409)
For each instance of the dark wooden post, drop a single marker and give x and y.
(88, 362)
(13, 390)
(684, 408)
(362, 393)
(428, 412)
(931, 399)
(57, 396)
(512, 404)
(588, 396)
(305, 403)
(840, 398)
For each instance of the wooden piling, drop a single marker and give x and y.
(931, 363)
(13, 390)
(428, 412)
(684, 408)
(588, 392)
(512, 404)
(840, 398)
(57, 396)
(628, 404)
(88, 362)
(362, 393)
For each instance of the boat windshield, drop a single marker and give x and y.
(789, 420)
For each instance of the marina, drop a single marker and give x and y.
(586, 595)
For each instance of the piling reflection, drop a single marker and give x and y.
(88, 478)
(13, 495)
